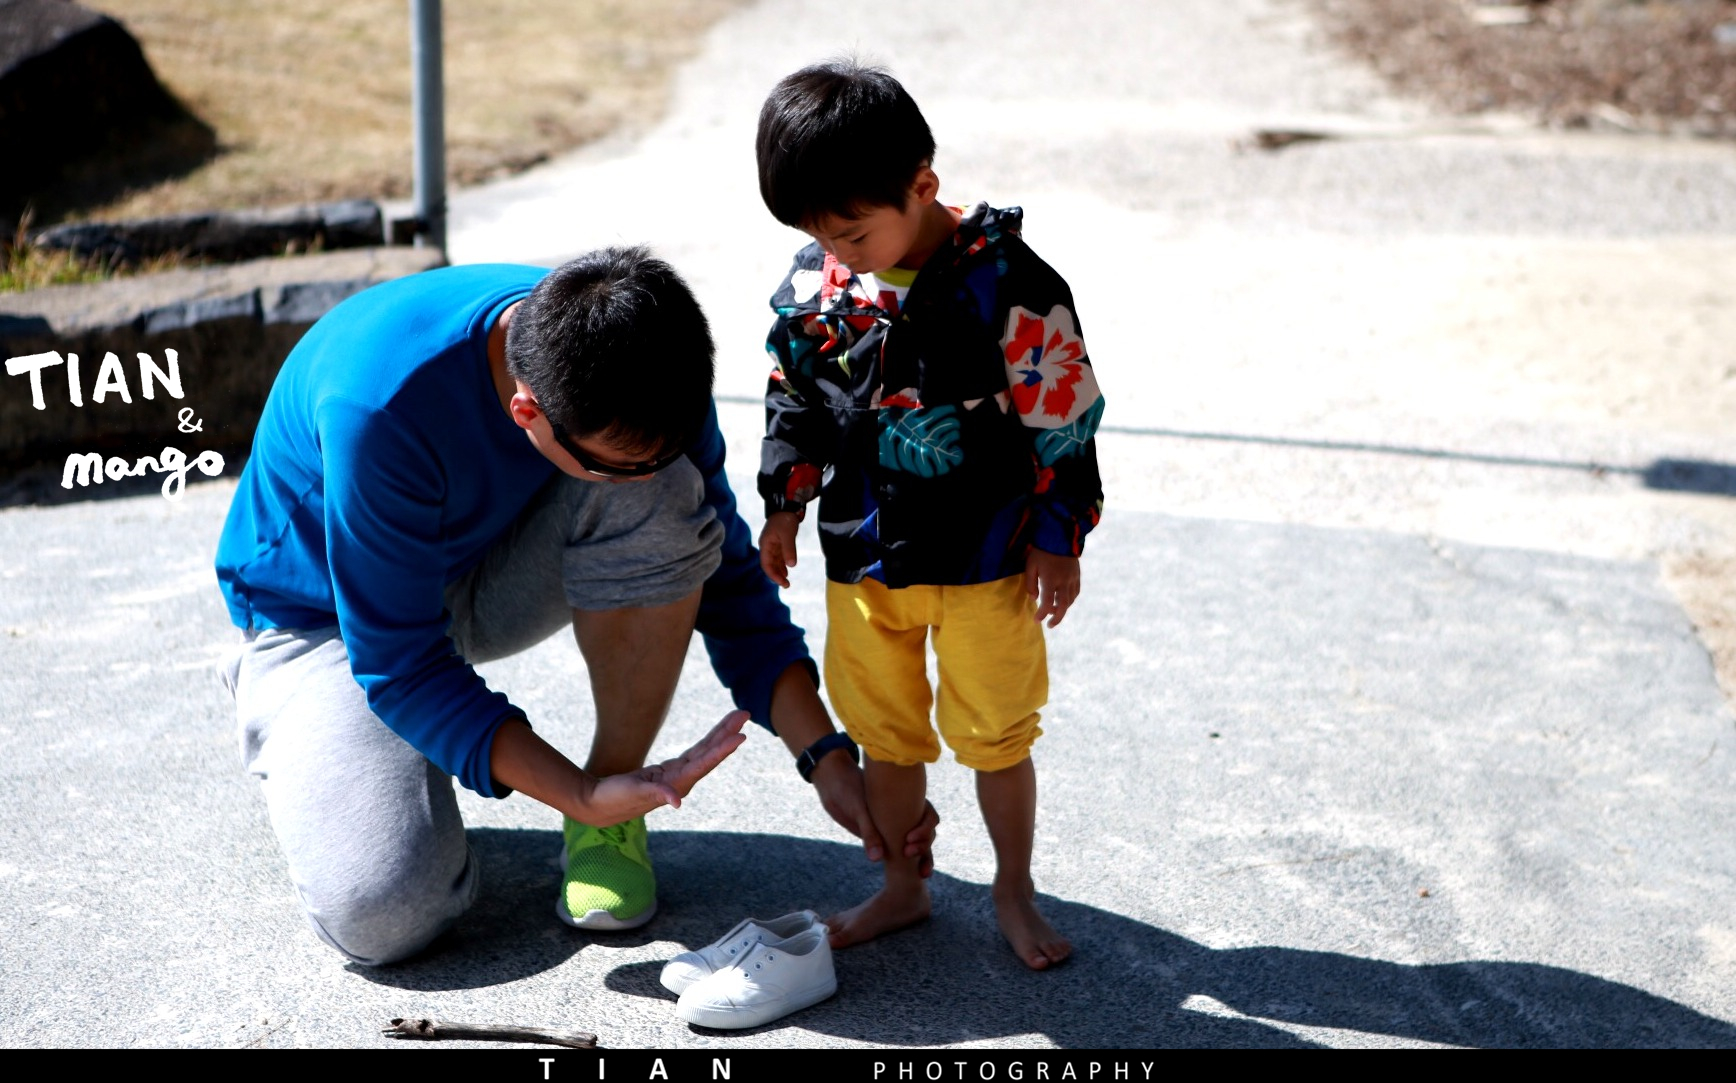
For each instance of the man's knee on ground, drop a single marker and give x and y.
(391, 917)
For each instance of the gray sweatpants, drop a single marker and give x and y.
(369, 826)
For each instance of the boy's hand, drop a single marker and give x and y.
(1053, 583)
(777, 546)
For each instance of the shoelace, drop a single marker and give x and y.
(616, 833)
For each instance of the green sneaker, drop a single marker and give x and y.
(609, 883)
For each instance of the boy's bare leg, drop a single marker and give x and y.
(1009, 803)
(897, 800)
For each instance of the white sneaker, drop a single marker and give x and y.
(768, 981)
(693, 966)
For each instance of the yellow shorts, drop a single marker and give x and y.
(989, 655)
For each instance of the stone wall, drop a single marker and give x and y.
(223, 236)
(230, 327)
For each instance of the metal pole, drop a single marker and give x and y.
(429, 104)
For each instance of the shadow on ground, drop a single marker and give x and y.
(157, 150)
(1668, 475)
(511, 933)
(1691, 476)
(953, 979)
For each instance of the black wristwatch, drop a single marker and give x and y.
(811, 756)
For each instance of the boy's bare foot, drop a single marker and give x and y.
(1032, 938)
(888, 911)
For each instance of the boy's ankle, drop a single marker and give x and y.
(904, 883)
(1014, 886)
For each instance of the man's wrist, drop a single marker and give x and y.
(810, 757)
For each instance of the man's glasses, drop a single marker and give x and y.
(609, 470)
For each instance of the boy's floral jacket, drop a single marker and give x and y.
(947, 437)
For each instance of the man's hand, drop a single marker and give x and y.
(675, 778)
(523, 761)
(615, 798)
(1053, 583)
(801, 719)
(839, 782)
(777, 546)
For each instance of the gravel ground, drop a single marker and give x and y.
(1665, 67)
(1640, 65)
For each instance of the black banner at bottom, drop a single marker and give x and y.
(528, 1064)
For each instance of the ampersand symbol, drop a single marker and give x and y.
(187, 423)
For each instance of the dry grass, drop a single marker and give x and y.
(310, 99)
(24, 266)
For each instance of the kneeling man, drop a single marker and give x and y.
(450, 468)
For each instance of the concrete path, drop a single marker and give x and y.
(1388, 717)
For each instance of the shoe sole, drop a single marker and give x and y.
(601, 921)
(705, 1015)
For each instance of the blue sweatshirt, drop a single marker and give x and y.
(383, 468)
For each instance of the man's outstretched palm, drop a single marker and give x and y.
(634, 793)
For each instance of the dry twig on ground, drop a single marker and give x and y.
(431, 1030)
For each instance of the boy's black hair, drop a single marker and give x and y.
(838, 138)
(614, 345)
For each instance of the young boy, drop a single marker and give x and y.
(932, 387)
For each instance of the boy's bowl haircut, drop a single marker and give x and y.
(838, 138)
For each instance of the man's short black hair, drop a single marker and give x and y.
(838, 138)
(614, 345)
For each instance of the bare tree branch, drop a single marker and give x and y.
(433, 1030)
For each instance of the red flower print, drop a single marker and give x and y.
(804, 482)
(1050, 380)
(834, 278)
